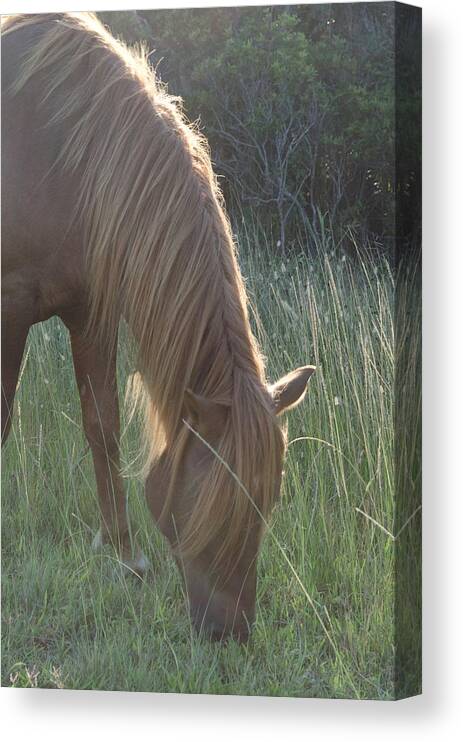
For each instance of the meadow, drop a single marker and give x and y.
(325, 607)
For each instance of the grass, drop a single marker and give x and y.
(325, 609)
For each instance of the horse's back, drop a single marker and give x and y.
(41, 258)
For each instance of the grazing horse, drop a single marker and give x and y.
(111, 210)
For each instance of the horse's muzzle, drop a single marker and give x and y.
(220, 631)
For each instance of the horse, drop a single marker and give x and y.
(111, 212)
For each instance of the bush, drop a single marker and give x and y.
(298, 105)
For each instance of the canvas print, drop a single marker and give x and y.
(211, 350)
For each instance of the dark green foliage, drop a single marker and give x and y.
(298, 105)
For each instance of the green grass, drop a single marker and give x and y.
(325, 609)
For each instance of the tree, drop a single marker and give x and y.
(298, 104)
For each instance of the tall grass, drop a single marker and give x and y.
(325, 607)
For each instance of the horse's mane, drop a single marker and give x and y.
(160, 251)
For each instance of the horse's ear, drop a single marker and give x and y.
(290, 390)
(206, 414)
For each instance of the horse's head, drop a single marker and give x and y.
(221, 597)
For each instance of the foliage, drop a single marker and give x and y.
(298, 104)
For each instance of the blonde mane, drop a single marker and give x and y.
(160, 253)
